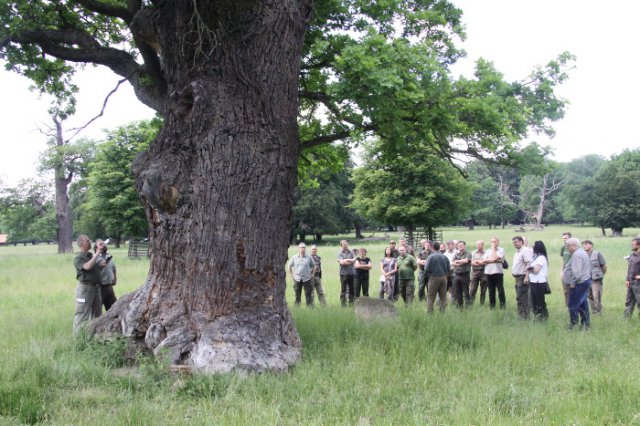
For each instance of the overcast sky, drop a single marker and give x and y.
(516, 35)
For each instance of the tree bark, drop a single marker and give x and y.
(358, 230)
(218, 188)
(64, 217)
(616, 231)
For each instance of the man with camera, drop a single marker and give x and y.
(88, 297)
(107, 274)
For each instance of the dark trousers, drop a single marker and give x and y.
(396, 289)
(422, 284)
(496, 281)
(633, 299)
(108, 296)
(478, 279)
(308, 291)
(578, 305)
(460, 290)
(538, 302)
(347, 291)
(362, 287)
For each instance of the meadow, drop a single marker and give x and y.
(472, 367)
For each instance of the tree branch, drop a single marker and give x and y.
(324, 99)
(108, 9)
(104, 106)
(58, 44)
(320, 140)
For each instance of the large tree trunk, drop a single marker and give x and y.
(64, 217)
(218, 187)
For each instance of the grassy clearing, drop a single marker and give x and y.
(472, 367)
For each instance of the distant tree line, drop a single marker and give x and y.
(410, 189)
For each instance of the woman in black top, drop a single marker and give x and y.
(363, 265)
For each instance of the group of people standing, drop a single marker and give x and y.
(450, 272)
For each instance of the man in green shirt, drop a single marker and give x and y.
(407, 266)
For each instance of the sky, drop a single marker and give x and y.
(516, 35)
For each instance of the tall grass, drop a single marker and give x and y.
(471, 367)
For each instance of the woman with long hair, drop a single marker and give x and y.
(537, 274)
(389, 268)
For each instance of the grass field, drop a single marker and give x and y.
(473, 367)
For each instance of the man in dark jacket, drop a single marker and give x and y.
(438, 269)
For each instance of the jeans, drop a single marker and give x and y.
(578, 304)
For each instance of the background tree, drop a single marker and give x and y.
(113, 198)
(219, 179)
(488, 204)
(67, 161)
(576, 197)
(616, 198)
(411, 190)
(27, 211)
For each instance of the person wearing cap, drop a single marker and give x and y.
(302, 268)
(577, 275)
(598, 269)
(316, 279)
(88, 297)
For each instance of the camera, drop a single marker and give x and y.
(530, 268)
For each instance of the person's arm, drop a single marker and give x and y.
(366, 266)
(91, 263)
(115, 277)
(603, 263)
(312, 263)
(395, 268)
